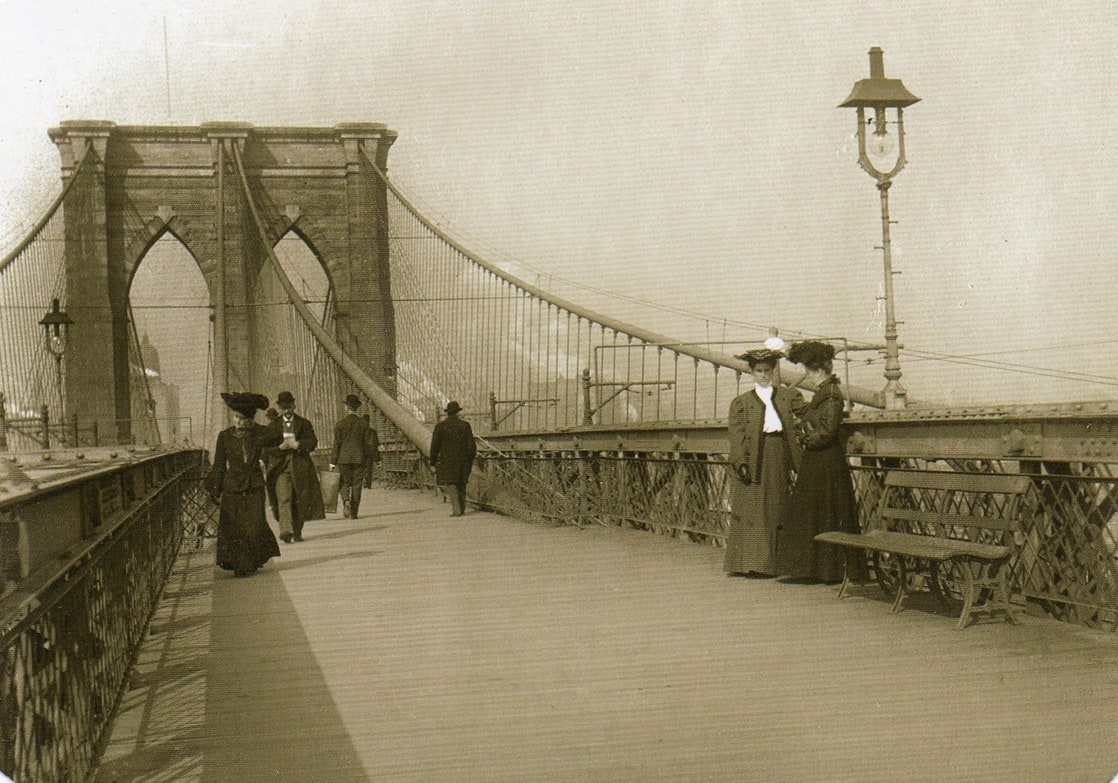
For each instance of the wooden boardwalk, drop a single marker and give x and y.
(409, 646)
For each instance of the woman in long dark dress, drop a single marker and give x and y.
(823, 499)
(236, 482)
(763, 451)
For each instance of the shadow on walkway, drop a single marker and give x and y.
(410, 646)
(228, 689)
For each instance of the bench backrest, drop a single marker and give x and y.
(970, 506)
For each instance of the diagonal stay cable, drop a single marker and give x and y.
(417, 432)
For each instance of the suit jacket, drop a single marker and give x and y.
(453, 450)
(351, 441)
(746, 428)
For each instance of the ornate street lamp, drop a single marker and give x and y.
(56, 328)
(881, 154)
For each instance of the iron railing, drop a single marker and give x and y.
(69, 633)
(676, 482)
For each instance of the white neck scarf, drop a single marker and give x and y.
(772, 418)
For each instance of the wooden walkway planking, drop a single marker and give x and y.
(409, 646)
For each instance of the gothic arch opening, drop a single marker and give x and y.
(170, 306)
(284, 354)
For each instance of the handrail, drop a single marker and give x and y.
(34, 232)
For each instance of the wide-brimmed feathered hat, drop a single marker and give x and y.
(761, 356)
(813, 354)
(245, 403)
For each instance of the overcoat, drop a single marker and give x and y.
(823, 499)
(351, 440)
(308, 503)
(453, 450)
(760, 479)
(746, 429)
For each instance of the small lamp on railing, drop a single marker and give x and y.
(881, 154)
(56, 329)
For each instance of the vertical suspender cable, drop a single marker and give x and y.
(221, 371)
(417, 432)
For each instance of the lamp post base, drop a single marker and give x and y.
(895, 396)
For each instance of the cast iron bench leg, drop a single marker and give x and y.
(845, 572)
(902, 580)
(968, 597)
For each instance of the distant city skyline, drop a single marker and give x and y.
(689, 156)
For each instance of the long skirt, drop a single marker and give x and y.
(244, 540)
(822, 501)
(758, 510)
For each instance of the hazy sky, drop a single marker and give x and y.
(690, 154)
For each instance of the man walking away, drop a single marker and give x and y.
(452, 455)
(351, 440)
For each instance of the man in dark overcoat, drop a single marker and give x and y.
(351, 442)
(298, 493)
(452, 455)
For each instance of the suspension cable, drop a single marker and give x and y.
(50, 211)
(416, 431)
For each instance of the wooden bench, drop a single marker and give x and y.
(960, 527)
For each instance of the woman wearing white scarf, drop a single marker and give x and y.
(763, 453)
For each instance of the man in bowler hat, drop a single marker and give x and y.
(452, 455)
(293, 475)
(351, 453)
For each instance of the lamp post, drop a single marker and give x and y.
(882, 156)
(56, 328)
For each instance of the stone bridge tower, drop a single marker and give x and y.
(151, 180)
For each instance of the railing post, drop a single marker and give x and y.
(45, 419)
(95, 438)
(588, 411)
(3, 424)
(74, 428)
(493, 411)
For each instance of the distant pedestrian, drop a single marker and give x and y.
(351, 442)
(763, 452)
(293, 476)
(824, 496)
(452, 454)
(244, 540)
(372, 452)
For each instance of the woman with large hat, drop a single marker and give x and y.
(824, 497)
(763, 452)
(236, 483)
